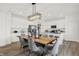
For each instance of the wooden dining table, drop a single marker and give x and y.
(41, 40)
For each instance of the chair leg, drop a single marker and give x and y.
(26, 49)
(29, 52)
(21, 49)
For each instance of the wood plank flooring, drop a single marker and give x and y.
(68, 48)
(11, 50)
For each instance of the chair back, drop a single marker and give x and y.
(22, 42)
(32, 45)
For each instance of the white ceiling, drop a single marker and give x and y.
(48, 10)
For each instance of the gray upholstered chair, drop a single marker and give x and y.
(34, 49)
(23, 43)
(48, 48)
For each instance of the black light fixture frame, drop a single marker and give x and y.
(33, 3)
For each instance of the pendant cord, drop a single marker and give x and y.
(33, 8)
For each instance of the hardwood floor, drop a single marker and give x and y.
(11, 50)
(68, 48)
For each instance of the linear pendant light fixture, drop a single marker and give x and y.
(35, 15)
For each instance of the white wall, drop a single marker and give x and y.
(4, 29)
(18, 24)
(72, 27)
(8, 24)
